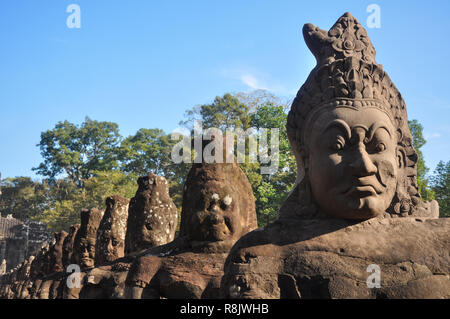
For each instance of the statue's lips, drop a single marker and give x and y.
(86, 261)
(110, 254)
(216, 232)
(362, 189)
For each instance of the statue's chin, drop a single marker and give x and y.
(87, 263)
(356, 209)
(212, 233)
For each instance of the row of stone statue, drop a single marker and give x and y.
(126, 229)
(354, 225)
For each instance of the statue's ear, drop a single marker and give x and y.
(304, 155)
(301, 156)
(401, 157)
(400, 151)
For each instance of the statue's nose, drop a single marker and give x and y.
(110, 246)
(215, 219)
(362, 164)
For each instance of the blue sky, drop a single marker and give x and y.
(142, 63)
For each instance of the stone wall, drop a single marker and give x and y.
(20, 239)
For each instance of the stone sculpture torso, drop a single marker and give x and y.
(330, 259)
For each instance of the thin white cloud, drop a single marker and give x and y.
(252, 82)
(255, 80)
(432, 136)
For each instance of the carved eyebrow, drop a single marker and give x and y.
(339, 124)
(374, 127)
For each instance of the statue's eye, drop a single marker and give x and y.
(380, 148)
(338, 144)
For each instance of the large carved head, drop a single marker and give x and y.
(349, 131)
(218, 203)
(84, 243)
(152, 218)
(110, 244)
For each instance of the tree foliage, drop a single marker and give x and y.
(59, 204)
(273, 189)
(226, 112)
(78, 151)
(146, 151)
(22, 197)
(418, 142)
(440, 183)
(68, 200)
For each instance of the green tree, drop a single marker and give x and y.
(22, 197)
(87, 163)
(149, 151)
(440, 183)
(78, 151)
(272, 190)
(105, 184)
(60, 206)
(66, 200)
(418, 142)
(227, 112)
(146, 151)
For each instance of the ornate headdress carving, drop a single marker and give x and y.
(347, 75)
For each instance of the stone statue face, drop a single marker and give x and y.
(352, 162)
(217, 215)
(110, 243)
(87, 253)
(84, 242)
(115, 247)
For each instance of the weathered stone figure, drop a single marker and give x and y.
(110, 244)
(68, 245)
(218, 208)
(56, 253)
(41, 263)
(152, 216)
(50, 271)
(84, 243)
(83, 249)
(218, 205)
(23, 276)
(349, 131)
